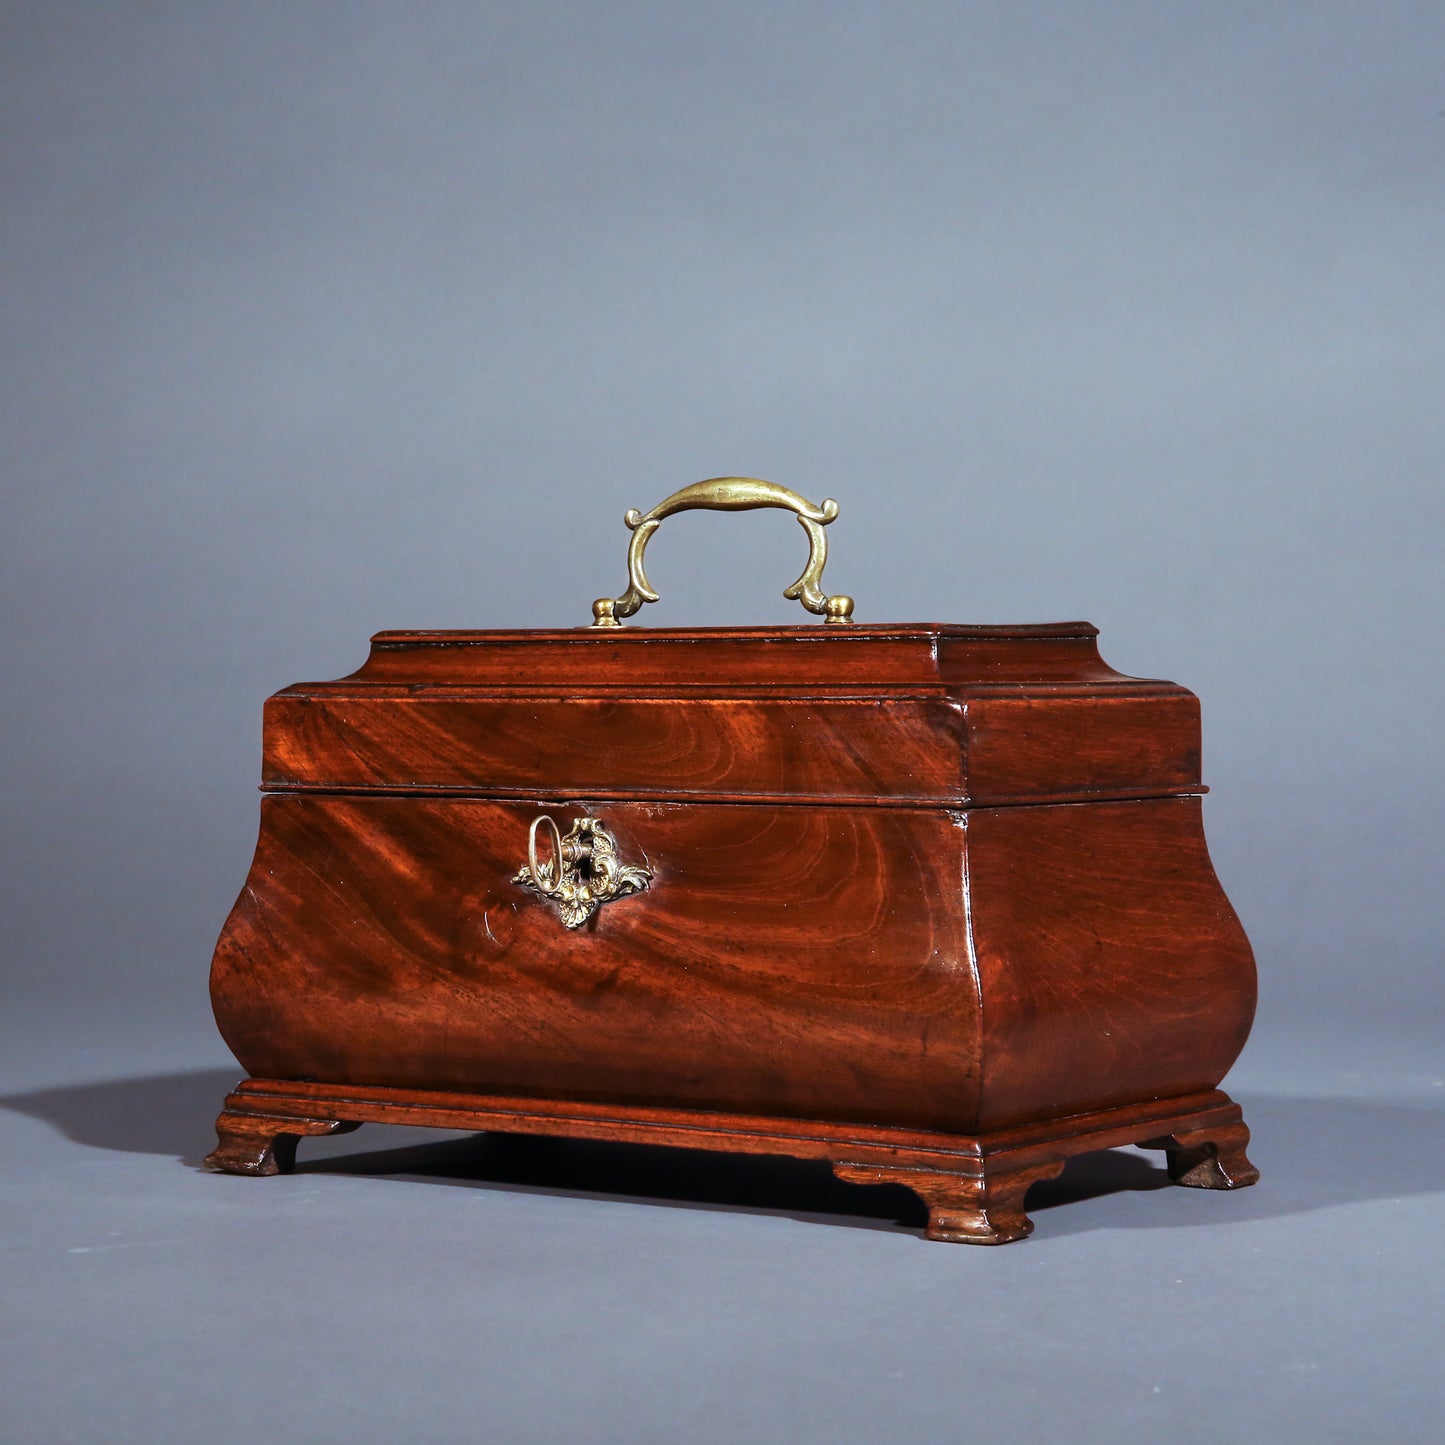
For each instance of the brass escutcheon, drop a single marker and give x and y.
(584, 871)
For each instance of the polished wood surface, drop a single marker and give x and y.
(898, 656)
(913, 966)
(973, 1185)
(848, 715)
(808, 961)
(1111, 966)
(881, 748)
(854, 749)
(937, 879)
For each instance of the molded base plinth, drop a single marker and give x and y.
(972, 1185)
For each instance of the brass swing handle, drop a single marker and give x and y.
(729, 494)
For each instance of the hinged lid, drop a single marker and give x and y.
(912, 714)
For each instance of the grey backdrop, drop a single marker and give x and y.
(323, 318)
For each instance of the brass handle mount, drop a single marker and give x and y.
(730, 494)
(584, 871)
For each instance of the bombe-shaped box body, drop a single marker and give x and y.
(931, 902)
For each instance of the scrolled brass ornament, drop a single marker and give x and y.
(730, 494)
(584, 871)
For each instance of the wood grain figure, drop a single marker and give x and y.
(930, 902)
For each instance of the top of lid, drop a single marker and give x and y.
(927, 655)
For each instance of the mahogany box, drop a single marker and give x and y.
(929, 902)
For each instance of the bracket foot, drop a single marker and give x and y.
(256, 1144)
